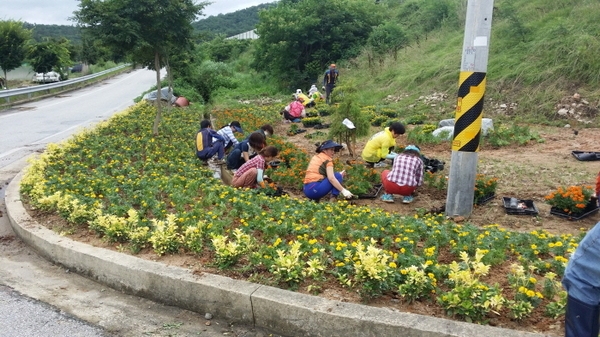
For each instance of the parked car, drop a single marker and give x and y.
(48, 77)
(77, 68)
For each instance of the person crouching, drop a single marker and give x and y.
(406, 175)
(251, 173)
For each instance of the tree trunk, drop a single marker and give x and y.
(158, 96)
(170, 79)
(4, 81)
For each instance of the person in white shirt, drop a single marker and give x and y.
(227, 133)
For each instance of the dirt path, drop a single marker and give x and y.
(525, 172)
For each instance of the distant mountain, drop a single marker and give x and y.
(41, 31)
(228, 24)
(231, 23)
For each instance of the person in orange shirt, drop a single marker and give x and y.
(320, 178)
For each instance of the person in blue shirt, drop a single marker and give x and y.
(329, 81)
(245, 150)
(582, 282)
(209, 143)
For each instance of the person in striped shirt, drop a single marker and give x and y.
(227, 133)
(406, 175)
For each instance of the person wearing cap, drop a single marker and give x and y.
(320, 178)
(209, 143)
(406, 175)
(379, 147)
(294, 111)
(227, 131)
(314, 94)
(329, 81)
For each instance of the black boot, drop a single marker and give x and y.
(581, 319)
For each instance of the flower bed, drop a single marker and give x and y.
(149, 192)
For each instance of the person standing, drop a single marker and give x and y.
(381, 144)
(320, 178)
(329, 81)
(582, 282)
(404, 178)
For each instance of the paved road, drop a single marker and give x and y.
(38, 298)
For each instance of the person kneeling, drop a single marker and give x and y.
(406, 175)
(251, 173)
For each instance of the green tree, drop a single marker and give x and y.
(144, 30)
(13, 42)
(298, 39)
(52, 54)
(388, 37)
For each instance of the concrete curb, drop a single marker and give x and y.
(283, 312)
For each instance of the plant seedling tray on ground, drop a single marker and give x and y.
(585, 155)
(485, 199)
(591, 208)
(527, 207)
(373, 194)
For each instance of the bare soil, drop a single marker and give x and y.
(525, 172)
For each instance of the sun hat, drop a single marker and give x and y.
(328, 144)
(412, 148)
(236, 126)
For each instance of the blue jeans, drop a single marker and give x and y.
(582, 281)
(217, 148)
(319, 189)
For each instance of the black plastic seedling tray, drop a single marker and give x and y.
(524, 207)
(586, 155)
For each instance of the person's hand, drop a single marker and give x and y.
(347, 194)
(323, 87)
(343, 173)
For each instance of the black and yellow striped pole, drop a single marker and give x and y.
(469, 108)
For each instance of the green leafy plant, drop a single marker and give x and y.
(436, 180)
(469, 297)
(484, 187)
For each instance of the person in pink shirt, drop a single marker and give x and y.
(406, 175)
(294, 111)
(251, 173)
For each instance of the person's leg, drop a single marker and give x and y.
(321, 188)
(220, 149)
(248, 179)
(287, 116)
(328, 90)
(234, 159)
(581, 319)
(390, 187)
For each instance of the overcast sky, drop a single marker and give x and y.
(57, 12)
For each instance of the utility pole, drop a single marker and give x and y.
(469, 108)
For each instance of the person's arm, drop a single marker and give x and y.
(419, 173)
(598, 185)
(336, 184)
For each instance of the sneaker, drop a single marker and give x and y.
(387, 198)
(380, 164)
(407, 199)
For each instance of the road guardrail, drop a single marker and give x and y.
(6, 95)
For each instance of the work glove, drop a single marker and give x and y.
(391, 156)
(347, 194)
